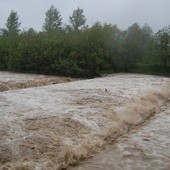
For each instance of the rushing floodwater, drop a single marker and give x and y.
(148, 148)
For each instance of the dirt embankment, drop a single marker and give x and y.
(54, 126)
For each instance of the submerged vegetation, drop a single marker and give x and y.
(82, 51)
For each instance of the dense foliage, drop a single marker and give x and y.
(78, 50)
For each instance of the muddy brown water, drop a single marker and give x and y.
(147, 148)
(14, 81)
(52, 127)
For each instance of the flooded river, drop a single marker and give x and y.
(52, 127)
(146, 148)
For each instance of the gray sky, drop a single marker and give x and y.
(121, 12)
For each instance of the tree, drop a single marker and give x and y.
(149, 57)
(53, 19)
(77, 19)
(133, 46)
(12, 24)
(4, 32)
(163, 37)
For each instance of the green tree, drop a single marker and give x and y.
(132, 47)
(12, 24)
(163, 39)
(53, 19)
(77, 19)
(4, 32)
(149, 57)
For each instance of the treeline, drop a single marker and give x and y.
(82, 51)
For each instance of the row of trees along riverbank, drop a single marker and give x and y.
(82, 51)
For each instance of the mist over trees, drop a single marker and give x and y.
(81, 51)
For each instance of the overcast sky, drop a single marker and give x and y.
(121, 12)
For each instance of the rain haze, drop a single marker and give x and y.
(121, 12)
